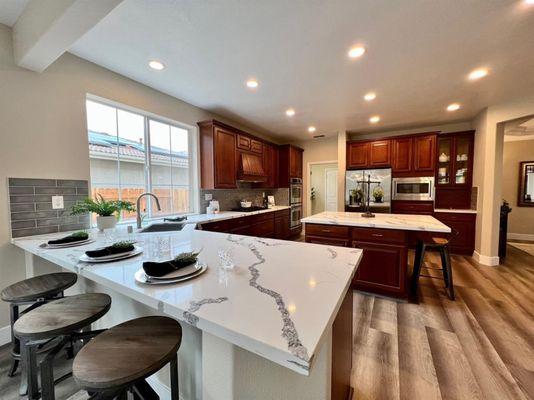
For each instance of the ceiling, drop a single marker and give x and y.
(519, 129)
(418, 56)
(10, 10)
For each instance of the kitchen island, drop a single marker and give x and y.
(384, 239)
(277, 326)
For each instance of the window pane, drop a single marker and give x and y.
(160, 163)
(131, 157)
(180, 169)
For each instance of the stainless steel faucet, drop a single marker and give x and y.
(138, 207)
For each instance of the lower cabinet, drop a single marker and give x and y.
(269, 225)
(412, 207)
(463, 227)
(383, 269)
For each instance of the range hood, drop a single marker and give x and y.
(251, 168)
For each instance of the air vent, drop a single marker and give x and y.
(318, 136)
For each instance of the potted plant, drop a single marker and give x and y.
(356, 196)
(378, 194)
(108, 211)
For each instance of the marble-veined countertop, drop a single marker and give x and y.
(408, 222)
(278, 301)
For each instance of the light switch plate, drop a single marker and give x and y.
(57, 202)
(208, 197)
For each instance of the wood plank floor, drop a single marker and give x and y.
(480, 346)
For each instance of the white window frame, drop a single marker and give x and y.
(193, 150)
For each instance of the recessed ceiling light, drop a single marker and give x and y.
(529, 2)
(157, 65)
(478, 74)
(453, 107)
(290, 112)
(311, 129)
(370, 96)
(356, 51)
(252, 83)
(374, 119)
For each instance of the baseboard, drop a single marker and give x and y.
(5, 335)
(520, 236)
(161, 389)
(485, 260)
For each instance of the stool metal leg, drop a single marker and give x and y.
(175, 393)
(418, 263)
(448, 265)
(29, 361)
(443, 257)
(15, 344)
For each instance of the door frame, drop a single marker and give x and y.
(307, 181)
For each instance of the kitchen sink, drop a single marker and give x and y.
(163, 227)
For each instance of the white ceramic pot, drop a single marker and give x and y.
(103, 223)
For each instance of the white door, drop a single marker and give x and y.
(330, 186)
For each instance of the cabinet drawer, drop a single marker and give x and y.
(254, 219)
(327, 241)
(327, 230)
(378, 235)
(412, 207)
(282, 213)
(217, 226)
(243, 142)
(256, 146)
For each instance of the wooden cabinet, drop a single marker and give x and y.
(281, 224)
(270, 165)
(464, 225)
(218, 156)
(289, 164)
(380, 153)
(413, 155)
(454, 174)
(402, 155)
(245, 142)
(425, 153)
(357, 155)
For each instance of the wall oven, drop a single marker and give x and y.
(295, 191)
(296, 215)
(417, 188)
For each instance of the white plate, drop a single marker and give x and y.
(61, 246)
(190, 269)
(141, 277)
(122, 256)
(112, 256)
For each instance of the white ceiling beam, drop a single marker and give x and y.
(48, 28)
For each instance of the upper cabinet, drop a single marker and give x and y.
(289, 164)
(380, 153)
(413, 155)
(454, 172)
(229, 155)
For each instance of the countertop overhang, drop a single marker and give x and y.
(278, 302)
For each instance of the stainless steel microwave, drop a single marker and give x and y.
(418, 188)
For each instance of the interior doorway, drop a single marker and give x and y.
(323, 187)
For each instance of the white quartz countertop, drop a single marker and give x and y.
(278, 301)
(408, 222)
(204, 218)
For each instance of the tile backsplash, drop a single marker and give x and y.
(230, 198)
(30, 206)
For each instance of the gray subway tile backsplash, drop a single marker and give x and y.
(31, 205)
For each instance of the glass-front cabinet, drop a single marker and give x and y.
(455, 159)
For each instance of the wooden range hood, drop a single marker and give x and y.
(251, 168)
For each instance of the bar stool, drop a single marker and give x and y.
(33, 292)
(119, 360)
(65, 318)
(442, 245)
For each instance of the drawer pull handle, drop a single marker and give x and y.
(326, 230)
(377, 235)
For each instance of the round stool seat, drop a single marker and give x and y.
(38, 287)
(62, 316)
(127, 352)
(440, 241)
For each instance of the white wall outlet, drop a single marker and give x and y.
(208, 197)
(57, 202)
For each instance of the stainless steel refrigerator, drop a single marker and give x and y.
(379, 191)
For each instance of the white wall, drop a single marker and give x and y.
(43, 128)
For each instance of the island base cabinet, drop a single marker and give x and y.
(382, 269)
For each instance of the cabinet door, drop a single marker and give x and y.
(243, 142)
(357, 155)
(402, 155)
(295, 163)
(225, 159)
(380, 153)
(281, 227)
(268, 166)
(465, 226)
(424, 153)
(382, 269)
